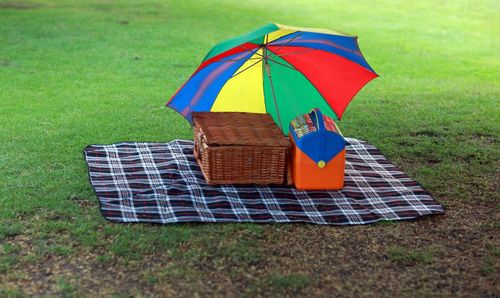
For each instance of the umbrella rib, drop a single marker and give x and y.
(288, 42)
(252, 50)
(244, 59)
(246, 68)
(282, 64)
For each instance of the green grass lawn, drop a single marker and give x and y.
(74, 73)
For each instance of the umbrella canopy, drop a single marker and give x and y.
(281, 70)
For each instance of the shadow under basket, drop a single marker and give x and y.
(240, 148)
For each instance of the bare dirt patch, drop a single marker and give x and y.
(429, 256)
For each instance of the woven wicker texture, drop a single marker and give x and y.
(240, 148)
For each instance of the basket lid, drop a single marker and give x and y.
(239, 129)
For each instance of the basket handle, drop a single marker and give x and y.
(197, 151)
(318, 119)
(197, 145)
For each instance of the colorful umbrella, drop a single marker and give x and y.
(281, 70)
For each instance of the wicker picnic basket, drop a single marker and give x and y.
(240, 148)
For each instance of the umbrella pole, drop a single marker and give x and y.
(268, 72)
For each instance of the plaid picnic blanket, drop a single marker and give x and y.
(162, 183)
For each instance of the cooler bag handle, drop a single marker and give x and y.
(318, 119)
(318, 115)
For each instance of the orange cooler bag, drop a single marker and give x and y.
(318, 152)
